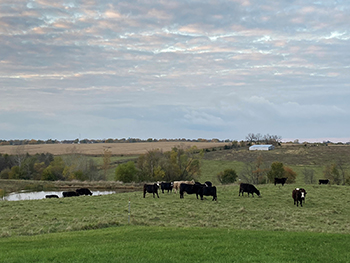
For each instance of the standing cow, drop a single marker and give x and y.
(176, 184)
(298, 195)
(281, 181)
(323, 181)
(150, 188)
(166, 186)
(208, 191)
(248, 188)
(190, 189)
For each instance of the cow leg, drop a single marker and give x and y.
(144, 194)
(157, 194)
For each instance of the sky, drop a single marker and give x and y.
(174, 69)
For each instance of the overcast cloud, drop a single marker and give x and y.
(174, 69)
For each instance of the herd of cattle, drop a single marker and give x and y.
(189, 187)
(206, 189)
(77, 192)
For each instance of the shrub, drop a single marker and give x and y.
(227, 176)
(126, 172)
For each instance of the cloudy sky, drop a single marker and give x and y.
(174, 69)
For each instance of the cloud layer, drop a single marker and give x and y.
(174, 69)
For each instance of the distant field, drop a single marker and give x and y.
(98, 148)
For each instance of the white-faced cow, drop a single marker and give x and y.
(323, 181)
(248, 188)
(298, 195)
(281, 181)
(150, 188)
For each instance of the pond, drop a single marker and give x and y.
(41, 195)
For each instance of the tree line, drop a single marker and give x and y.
(156, 165)
(45, 166)
(109, 140)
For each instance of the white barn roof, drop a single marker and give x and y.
(262, 147)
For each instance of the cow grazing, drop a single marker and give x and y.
(69, 194)
(166, 186)
(248, 188)
(83, 191)
(281, 181)
(298, 195)
(323, 181)
(190, 189)
(176, 184)
(51, 196)
(150, 188)
(208, 191)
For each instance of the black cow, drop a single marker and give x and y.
(322, 181)
(208, 184)
(83, 191)
(150, 188)
(69, 194)
(166, 186)
(298, 195)
(51, 196)
(281, 181)
(190, 189)
(248, 188)
(208, 191)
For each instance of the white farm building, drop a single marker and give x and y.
(262, 147)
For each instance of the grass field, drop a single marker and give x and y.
(327, 209)
(160, 244)
(233, 229)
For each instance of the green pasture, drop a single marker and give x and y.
(175, 244)
(327, 209)
(170, 229)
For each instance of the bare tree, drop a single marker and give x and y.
(309, 176)
(19, 155)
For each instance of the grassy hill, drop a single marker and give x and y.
(298, 157)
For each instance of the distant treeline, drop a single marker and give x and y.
(110, 140)
(45, 166)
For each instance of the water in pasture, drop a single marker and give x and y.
(41, 195)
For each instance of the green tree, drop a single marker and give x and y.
(15, 172)
(4, 174)
(227, 176)
(276, 171)
(126, 172)
(54, 171)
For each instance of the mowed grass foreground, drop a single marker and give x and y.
(163, 244)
